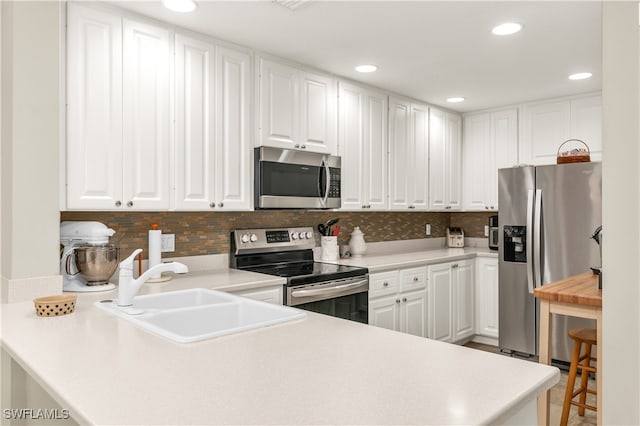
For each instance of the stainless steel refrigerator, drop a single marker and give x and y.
(546, 218)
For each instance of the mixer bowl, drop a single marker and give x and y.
(97, 263)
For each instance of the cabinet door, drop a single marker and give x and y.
(437, 160)
(279, 105)
(487, 297)
(233, 140)
(503, 150)
(318, 113)
(464, 323)
(545, 127)
(146, 116)
(399, 153)
(475, 161)
(351, 146)
(195, 123)
(376, 149)
(94, 111)
(440, 300)
(418, 160)
(385, 312)
(453, 143)
(586, 124)
(271, 295)
(414, 313)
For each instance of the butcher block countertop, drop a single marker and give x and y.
(579, 289)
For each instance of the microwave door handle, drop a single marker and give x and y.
(325, 196)
(529, 243)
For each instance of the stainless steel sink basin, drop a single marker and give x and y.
(198, 314)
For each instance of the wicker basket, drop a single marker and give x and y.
(564, 159)
(53, 306)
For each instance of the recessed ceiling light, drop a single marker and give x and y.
(182, 6)
(455, 100)
(507, 28)
(580, 76)
(366, 68)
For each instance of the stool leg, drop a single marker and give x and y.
(571, 381)
(584, 379)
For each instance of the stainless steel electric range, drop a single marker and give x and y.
(327, 288)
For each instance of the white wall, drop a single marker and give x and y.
(30, 139)
(621, 214)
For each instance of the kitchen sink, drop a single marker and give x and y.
(187, 316)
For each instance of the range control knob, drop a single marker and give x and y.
(309, 235)
(302, 236)
(244, 239)
(254, 238)
(294, 235)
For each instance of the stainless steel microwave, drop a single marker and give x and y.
(289, 179)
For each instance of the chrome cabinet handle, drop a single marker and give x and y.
(118, 203)
(404, 299)
(303, 147)
(212, 205)
(385, 284)
(397, 300)
(220, 204)
(130, 204)
(415, 279)
(297, 145)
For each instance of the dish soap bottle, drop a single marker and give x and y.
(357, 246)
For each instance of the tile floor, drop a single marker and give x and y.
(557, 395)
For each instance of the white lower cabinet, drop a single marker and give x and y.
(271, 294)
(487, 297)
(398, 300)
(451, 300)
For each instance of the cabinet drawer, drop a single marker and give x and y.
(414, 278)
(383, 283)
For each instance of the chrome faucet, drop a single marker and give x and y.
(128, 287)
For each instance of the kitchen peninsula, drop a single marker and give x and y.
(317, 370)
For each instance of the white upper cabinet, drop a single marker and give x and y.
(195, 123)
(94, 113)
(118, 120)
(445, 150)
(233, 135)
(363, 147)
(145, 155)
(297, 109)
(408, 155)
(213, 148)
(546, 125)
(490, 143)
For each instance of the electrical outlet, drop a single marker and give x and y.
(168, 243)
(486, 230)
(427, 229)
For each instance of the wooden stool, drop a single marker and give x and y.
(588, 338)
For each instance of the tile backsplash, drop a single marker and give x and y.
(201, 233)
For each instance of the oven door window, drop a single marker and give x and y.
(292, 180)
(354, 307)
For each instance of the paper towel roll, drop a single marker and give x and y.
(155, 248)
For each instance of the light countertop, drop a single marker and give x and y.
(317, 370)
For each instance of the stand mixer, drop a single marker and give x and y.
(88, 260)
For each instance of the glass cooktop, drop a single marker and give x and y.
(308, 272)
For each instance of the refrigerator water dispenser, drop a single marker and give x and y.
(515, 244)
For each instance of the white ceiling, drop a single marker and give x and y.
(423, 49)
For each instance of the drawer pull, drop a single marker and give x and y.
(385, 284)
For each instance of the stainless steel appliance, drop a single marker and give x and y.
(327, 288)
(494, 232)
(547, 217)
(288, 179)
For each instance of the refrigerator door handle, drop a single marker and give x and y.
(536, 239)
(530, 240)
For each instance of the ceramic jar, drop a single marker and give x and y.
(357, 246)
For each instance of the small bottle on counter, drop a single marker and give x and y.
(357, 245)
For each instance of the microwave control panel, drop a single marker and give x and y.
(334, 183)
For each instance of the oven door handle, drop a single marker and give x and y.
(327, 290)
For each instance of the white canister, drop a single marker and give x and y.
(357, 246)
(330, 250)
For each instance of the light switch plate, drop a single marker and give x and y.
(486, 230)
(168, 243)
(427, 229)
